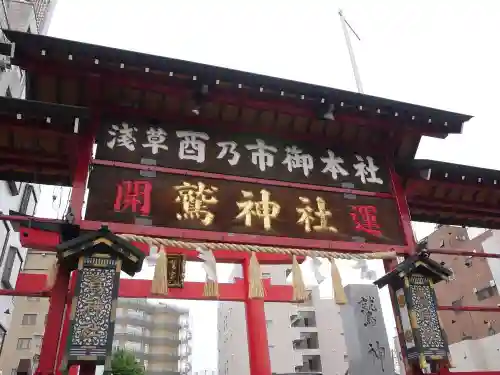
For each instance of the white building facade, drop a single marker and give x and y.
(21, 197)
(306, 338)
(22, 15)
(29, 16)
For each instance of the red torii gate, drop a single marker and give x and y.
(89, 83)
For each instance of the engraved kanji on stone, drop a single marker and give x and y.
(368, 308)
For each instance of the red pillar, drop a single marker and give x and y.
(84, 151)
(404, 210)
(389, 265)
(65, 329)
(258, 348)
(50, 343)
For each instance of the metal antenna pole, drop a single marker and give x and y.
(354, 66)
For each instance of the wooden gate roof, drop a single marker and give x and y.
(158, 87)
(452, 194)
(135, 84)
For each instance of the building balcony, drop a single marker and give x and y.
(147, 322)
(311, 365)
(153, 358)
(151, 340)
(137, 304)
(135, 321)
(307, 340)
(162, 372)
(303, 319)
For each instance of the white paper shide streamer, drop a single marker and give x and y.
(315, 266)
(211, 288)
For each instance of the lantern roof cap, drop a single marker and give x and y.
(102, 241)
(419, 263)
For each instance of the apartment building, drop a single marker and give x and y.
(157, 333)
(23, 341)
(473, 284)
(303, 338)
(21, 197)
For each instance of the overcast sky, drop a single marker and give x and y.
(440, 53)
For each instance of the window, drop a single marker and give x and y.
(288, 272)
(3, 333)
(28, 201)
(266, 275)
(14, 187)
(14, 371)
(45, 320)
(487, 292)
(269, 323)
(12, 262)
(5, 234)
(29, 320)
(33, 299)
(133, 330)
(23, 344)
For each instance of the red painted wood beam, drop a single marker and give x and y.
(449, 213)
(471, 186)
(35, 127)
(430, 203)
(151, 82)
(37, 239)
(47, 241)
(200, 235)
(130, 288)
(218, 93)
(29, 284)
(44, 240)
